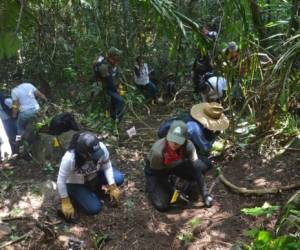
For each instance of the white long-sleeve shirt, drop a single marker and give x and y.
(69, 174)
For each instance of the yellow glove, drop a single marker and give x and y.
(67, 208)
(114, 193)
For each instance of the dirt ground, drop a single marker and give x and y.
(29, 200)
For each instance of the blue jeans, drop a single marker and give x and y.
(88, 200)
(24, 118)
(116, 105)
(150, 89)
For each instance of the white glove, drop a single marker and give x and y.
(5, 151)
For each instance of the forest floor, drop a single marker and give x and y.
(28, 200)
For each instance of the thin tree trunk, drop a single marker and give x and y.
(294, 23)
(256, 19)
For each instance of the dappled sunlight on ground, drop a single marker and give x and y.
(135, 224)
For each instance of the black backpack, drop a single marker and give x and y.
(203, 85)
(62, 123)
(96, 68)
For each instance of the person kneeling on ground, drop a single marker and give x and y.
(173, 155)
(84, 168)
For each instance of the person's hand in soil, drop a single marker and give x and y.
(67, 208)
(114, 193)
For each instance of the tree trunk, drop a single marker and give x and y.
(256, 19)
(294, 23)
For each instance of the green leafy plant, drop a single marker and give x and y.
(48, 168)
(195, 222)
(99, 239)
(263, 240)
(186, 238)
(289, 219)
(16, 212)
(187, 235)
(265, 209)
(288, 125)
(129, 204)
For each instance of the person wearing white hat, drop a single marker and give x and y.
(173, 155)
(203, 124)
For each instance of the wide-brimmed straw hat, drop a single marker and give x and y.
(210, 115)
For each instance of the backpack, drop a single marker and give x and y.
(202, 84)
(96, 68)
(62, 123)
(5, 108)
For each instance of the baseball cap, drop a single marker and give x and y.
(89, 143)
(177, 132)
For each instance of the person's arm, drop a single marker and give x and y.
(15, 108)
(155, 156)
(196, 135)
(156, 161)
(106, 165)
(191, 152)
(40, 95)
(137, 71)
(15, 104)
(65, 170)
(66, 167)
(112, 189)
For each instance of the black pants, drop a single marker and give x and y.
(116, 105)
(159, 188)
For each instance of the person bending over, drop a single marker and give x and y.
(173, 155)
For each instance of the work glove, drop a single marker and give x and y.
(67, 208)
(6, 152)
(114, 193)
